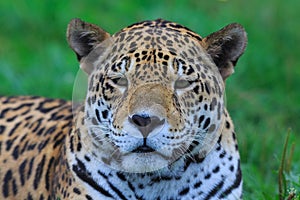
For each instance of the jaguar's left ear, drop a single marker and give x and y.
(225, 47)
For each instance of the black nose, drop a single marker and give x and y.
(141, 120)
(145, 123)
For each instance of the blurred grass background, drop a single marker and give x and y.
(263, 95)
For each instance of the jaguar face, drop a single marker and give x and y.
(155, 94)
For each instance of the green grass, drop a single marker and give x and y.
(263, 96)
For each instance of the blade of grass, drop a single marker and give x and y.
(281, 176)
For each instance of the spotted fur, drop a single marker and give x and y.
(153, 126)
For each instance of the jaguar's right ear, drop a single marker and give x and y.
(83, 37)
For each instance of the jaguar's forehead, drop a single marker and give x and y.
(158, 34)
(158, 27)
(157, 41)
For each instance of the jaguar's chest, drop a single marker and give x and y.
(207, 178)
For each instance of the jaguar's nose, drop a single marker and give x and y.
(141, 120)
(145, 123)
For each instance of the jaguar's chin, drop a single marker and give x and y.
(143, 162)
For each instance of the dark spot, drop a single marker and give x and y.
(76, 190)
(22, 172)
(39, 172)
(6, 183)
(105, 114)
(15, 153)
(9, 143)
(160, 54)
(141, 186)
(207, 176)
(48, 177)
(88, 197)
(87, 158)
(147, 38)
(227, 124)
(205, 106)
(200, 98)
(29, 196)
(216, 169)
(207, 87)
(42, 145)
(79, 146)
(2, 129)
(213, 104)
(236, 147)
(219, 140)
(30, 168)
(222, 155)
(198, 184)
(201, 120)
(212, 128)
(98, 115)
(184, 191)
(196, 90)
(190, 71)
(233, 136)
(121, 176)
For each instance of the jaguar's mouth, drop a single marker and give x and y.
(143, 149)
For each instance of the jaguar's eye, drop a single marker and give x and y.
(181, 84)
(120, 81)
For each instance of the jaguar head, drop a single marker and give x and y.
(156, 91)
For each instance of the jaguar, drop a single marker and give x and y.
(153, 125)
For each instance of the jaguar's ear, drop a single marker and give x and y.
(83, 37)
(225, 47)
